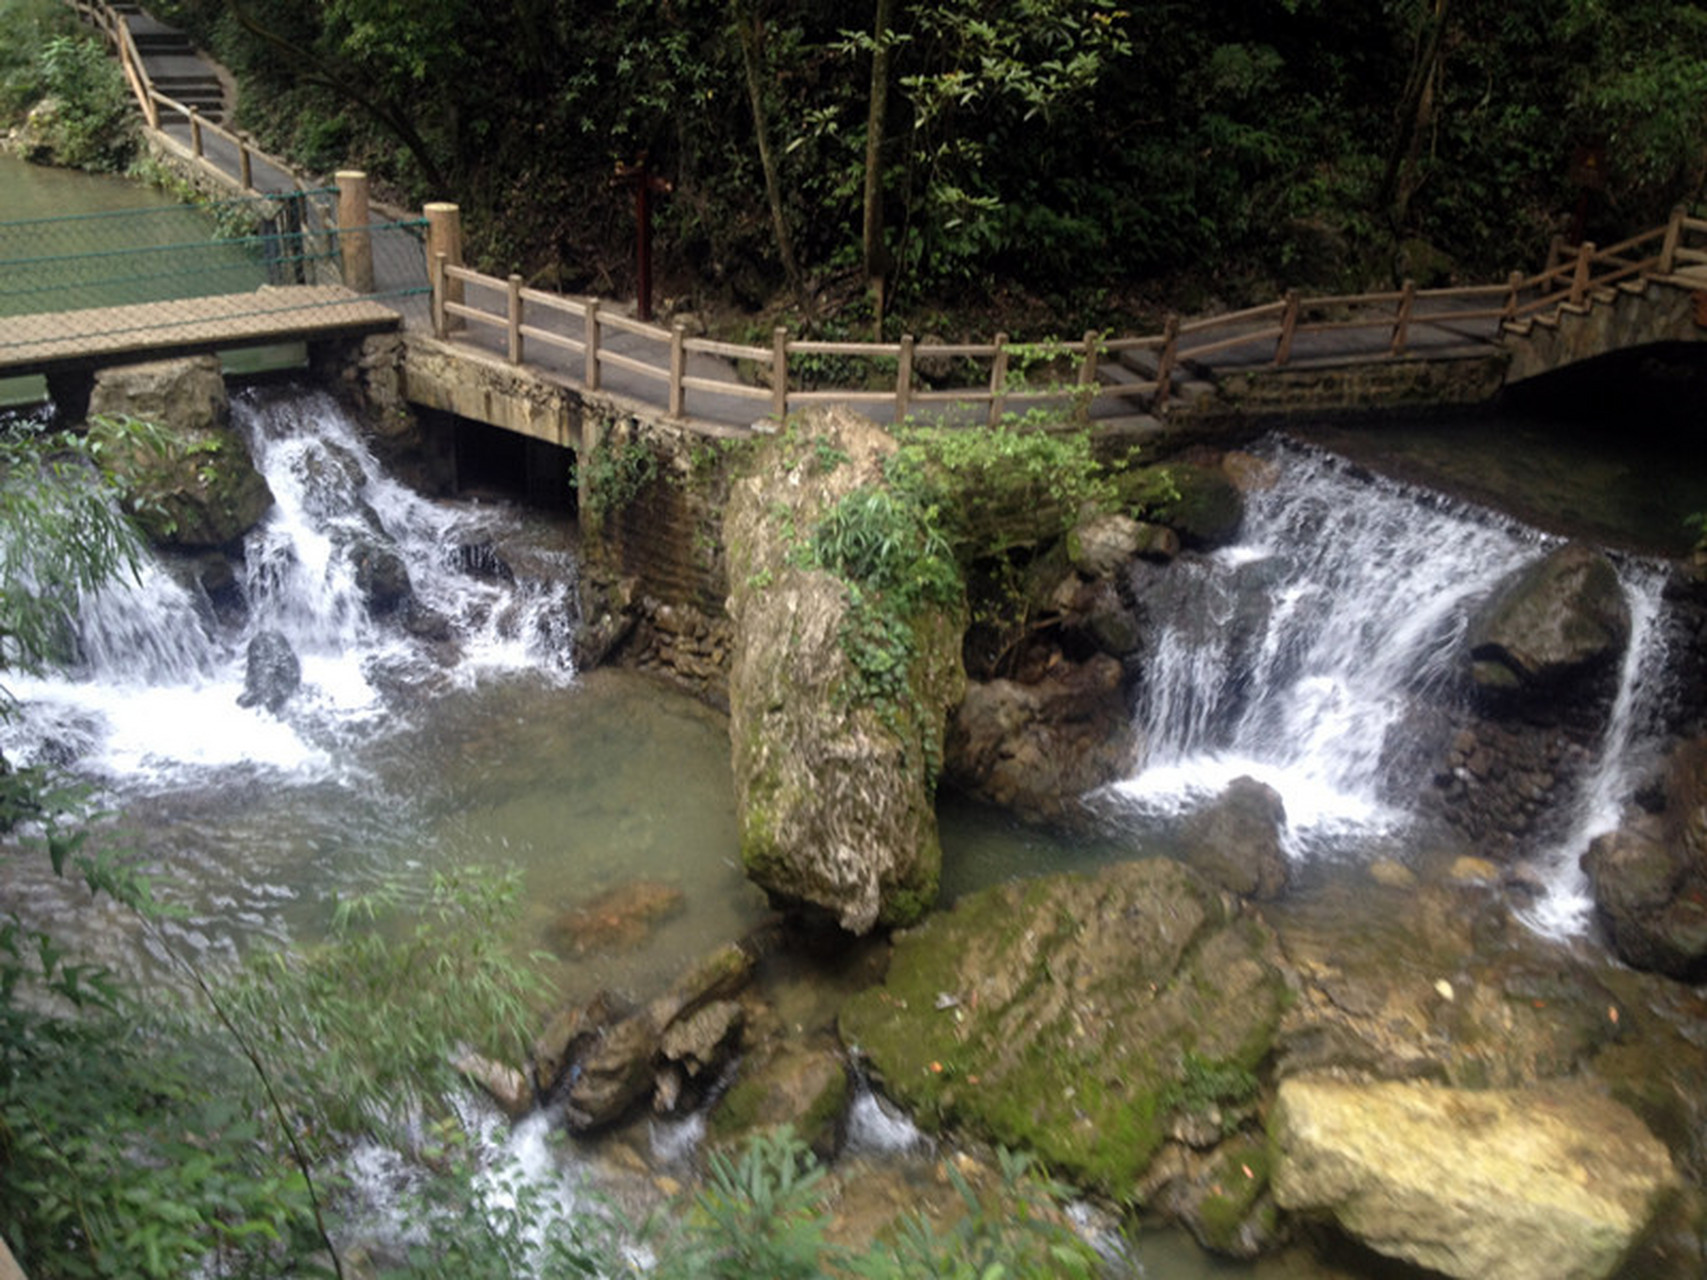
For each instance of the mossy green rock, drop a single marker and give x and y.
(793, 1084)
(1206, 508)
(1063, 1014)
(835, 795)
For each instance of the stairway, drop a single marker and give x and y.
(173, 66)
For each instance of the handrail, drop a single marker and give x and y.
(1273, 326)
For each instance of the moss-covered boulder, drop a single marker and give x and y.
(1551, 623)
(803, 1086)
(838, 695)
(1082, 1017)
(193, 484)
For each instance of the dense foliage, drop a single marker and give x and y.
(1083, 154)
(88, 120)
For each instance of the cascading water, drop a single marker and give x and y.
(1299, 656)
(155, 689)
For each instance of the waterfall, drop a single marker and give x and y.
(1301, 655)
(154, 687)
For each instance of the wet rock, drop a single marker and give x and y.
(508, 1087)
(271, 672)
(1106, 618)
(1550, 624)
(1235, 840)
(381, 574)
(567, 1036)
(1076, 1015)
(193, 485)
(1208, 510)
(615, 1073)
(484, 561)
(834, 783)
(788, 1083)
(703, 1041)
(1221, 1196)
(1543, 1183)
(1101, 546)
(618, 919)
(1650, 876)
(1036, 748)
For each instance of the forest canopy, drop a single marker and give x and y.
(1087, 154)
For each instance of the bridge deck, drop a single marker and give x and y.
(47, 343)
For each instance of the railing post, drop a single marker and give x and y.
(1556, 252)
(444, 237)
(1513, 286)
(779, 372)
(514, 318)
(245, 166)
(1674, 233)
(678, 366)
(1402, 322)
(592, 344)
(439, 261)
(904, 379)
(1165, 365)
(1580, 277)
(355, 242)
(1087, 374)
(196, 132)
(151, 108)
(1288, 327)
(999, 380)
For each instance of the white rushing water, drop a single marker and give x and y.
(153, 696)
(1298, 656)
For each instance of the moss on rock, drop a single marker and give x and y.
(1060, 1014)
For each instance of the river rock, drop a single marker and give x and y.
(616, 919)
(1101, 546)
(1650, 875)
(800, 1085)
(1208, 508)
(194, 485)
(1553, 1182)
(1551, 622)
(1076, 1016)
(1235, 840)
(1036, 748)
(834, 787)
(271, 672)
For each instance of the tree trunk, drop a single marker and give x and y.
(1415, 116)
(750, 28)
(877, 261)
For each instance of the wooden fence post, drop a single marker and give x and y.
(1580, 277)
(1556, 252)
(999, 380)
(1165, 364)
(1402, 322)
(592, 343)
(779, 372)
(444, 237)
(1674, 233)
(355, 242)
(438, 263)
(196, 132)
(678, 366)
(1288, 327)
(245, 166)
(513, 317)
(904, 379)
(1088, 375)
(1513, 286)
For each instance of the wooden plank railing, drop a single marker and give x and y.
(1267, 333)
(155, 105)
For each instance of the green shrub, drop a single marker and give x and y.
(93, 127)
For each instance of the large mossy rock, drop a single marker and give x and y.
(1550, 623)
(196, 486)
(1553, 1182)
(835, 791)
(1083, 1017)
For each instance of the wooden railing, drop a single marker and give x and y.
(155, 105)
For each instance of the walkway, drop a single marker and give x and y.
(155, 330)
